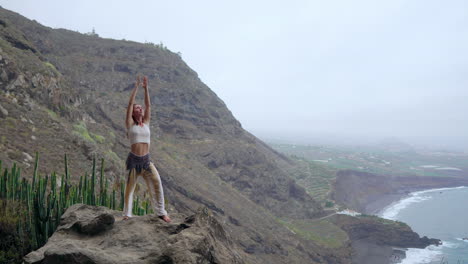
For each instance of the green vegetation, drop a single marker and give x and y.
(384, 221)
(52, 67)
(112, 135)
(112, 155)
(378, 159)
(100, 139)
(9, 122)
(160, 46)
(52, 114)
(314, 177)
(321, 232)
(30, 211)
(81, 131)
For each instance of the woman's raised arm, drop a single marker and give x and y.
(129, 119)
(147, 116)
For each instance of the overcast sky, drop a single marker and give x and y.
(342, 69)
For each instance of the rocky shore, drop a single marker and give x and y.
(369, 194)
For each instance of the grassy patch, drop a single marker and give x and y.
(52, 114)
(321, 232)
(52, 68)
(98, 138)
(112, 135)
(9, 122)
(111, 154)
(81, 130)
(384, 221)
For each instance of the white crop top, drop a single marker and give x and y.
(138, 134)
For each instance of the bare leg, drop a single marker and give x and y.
(130, 187)
(153, 180)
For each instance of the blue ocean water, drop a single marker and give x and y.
(437, 213)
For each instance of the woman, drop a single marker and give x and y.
(138, 160)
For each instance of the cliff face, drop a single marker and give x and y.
(66, 92)
(367, 192)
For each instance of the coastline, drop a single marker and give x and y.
(390, 200)
(373, 194)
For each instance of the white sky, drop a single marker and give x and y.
(360, 69)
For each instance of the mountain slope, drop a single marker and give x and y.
(66, 92)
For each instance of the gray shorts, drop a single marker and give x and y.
(138, 162)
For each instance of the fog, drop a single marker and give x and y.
(350, 71)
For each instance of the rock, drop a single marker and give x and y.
(33, 137)
(3, 112)
(36, 79)
(89, 220)
(19, 82)
(4, 76)
(27, 156)
(96, 234)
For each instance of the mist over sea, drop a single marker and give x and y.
(437, 213)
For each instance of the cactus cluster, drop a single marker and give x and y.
(46, 200)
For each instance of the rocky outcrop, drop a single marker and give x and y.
(369, 193)
(96, 234)
(377, 240)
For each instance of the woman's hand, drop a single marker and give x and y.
(138, 82)
(145, 82)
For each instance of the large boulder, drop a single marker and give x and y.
(96, 234)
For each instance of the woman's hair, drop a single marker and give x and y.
(134, 119)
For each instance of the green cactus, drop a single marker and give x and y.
(80, 190)
(36, 162)
(44, 205)
(113, 200)
(93, 180)
(122, 195)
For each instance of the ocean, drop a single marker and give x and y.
(436, 213)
